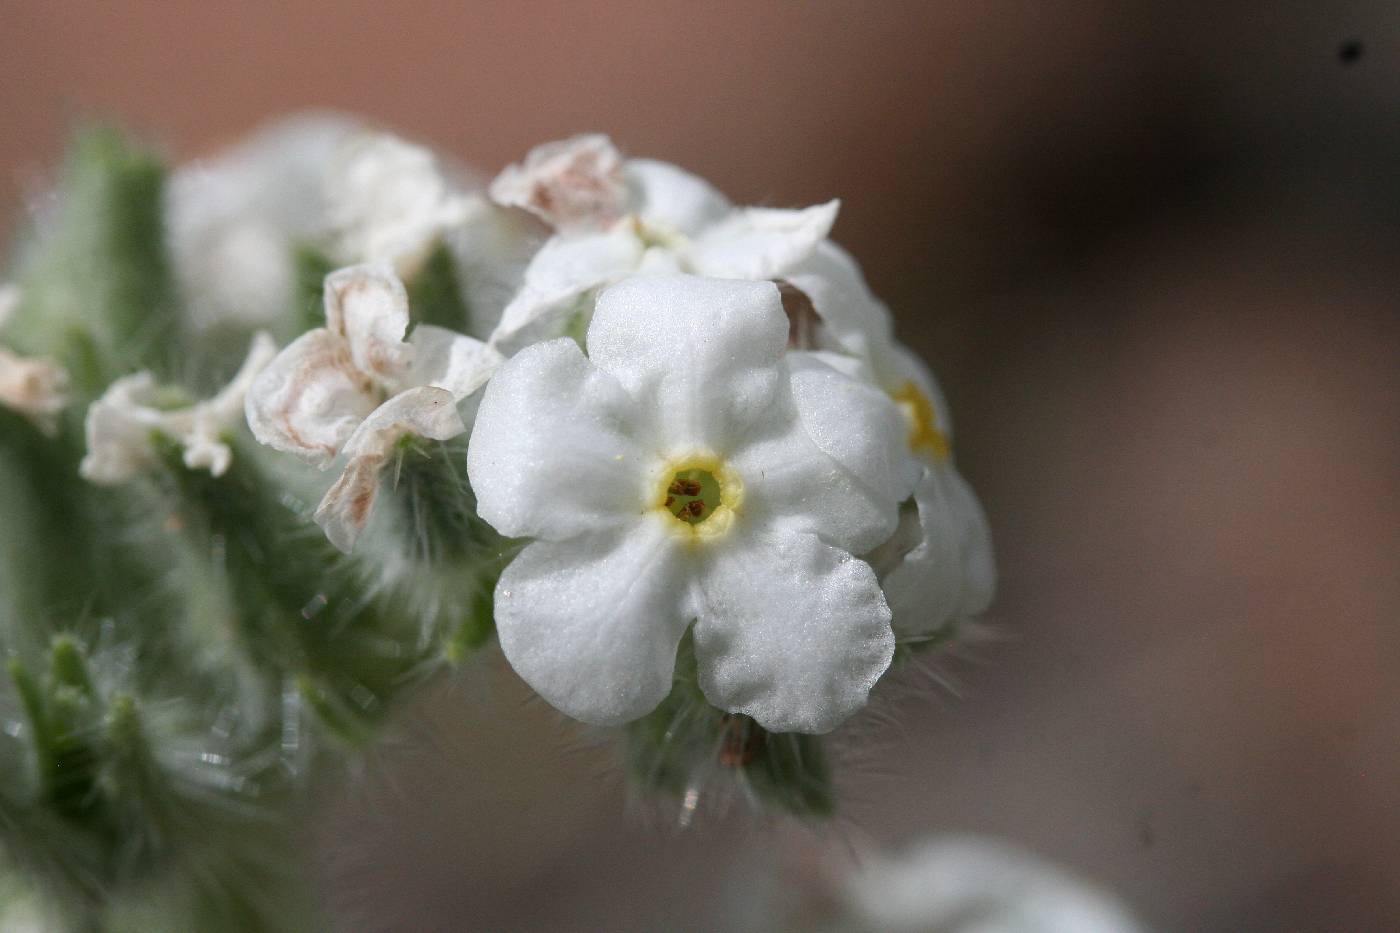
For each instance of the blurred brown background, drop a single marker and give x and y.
(1152, 251)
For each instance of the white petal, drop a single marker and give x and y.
(368, 306)
(853, 423)
(658, 260)
(593, 623)
(761, 242)
(670, 198)
(831, 461)
(450, 361)
(310, 398)
(563, 271)
(389, 202)
(950, 573)
(703, 353)
(492, 248)
(852, 318)
(851, 367)
(791, 631)
(205, 450)
(573, 185)
(37, 388)
(552, 452)
(427, 412)
(118, 427)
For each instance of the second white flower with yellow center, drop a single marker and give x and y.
(688, 470)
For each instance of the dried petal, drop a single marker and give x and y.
(121, 425)
(346, 509)
(450, 361)
(368, 306)
(574, 185)
(37, 388)
(310, 398)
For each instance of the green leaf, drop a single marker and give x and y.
(98, 293)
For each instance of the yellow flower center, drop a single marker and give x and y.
(701, 495)
(924, 434)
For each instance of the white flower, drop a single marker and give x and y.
(234, 221)
(689, 470)
(389, 203)
(355, 387)
(36, 388)
(938, 568)
(615, 217)
(122, 424)
(971, 885)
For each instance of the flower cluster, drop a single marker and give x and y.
(744, 447)
(695, 415)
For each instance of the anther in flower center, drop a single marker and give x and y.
(701, 493)
(693, 495)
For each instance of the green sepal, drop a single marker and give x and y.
(790, 772)
(435, 294)
(686, 746)
(312, 267)
(69, 667)
(475, 629)
(63, 715)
